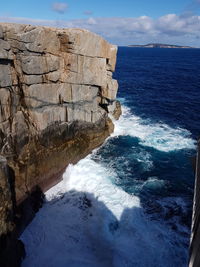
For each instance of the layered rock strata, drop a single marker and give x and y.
(56, 90)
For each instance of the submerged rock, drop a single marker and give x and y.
(115, 109)
(56, 90)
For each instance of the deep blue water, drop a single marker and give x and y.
(161, 88)
(129, 203)
(161, 84)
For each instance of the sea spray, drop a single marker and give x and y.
(157, 135)
(89, 221)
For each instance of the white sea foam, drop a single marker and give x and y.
(157, 135)
(145, 159)
(88, 221)
(89, 176)
(153, 183)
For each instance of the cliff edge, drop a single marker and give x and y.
(56, 90)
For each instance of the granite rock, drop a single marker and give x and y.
(56, 90)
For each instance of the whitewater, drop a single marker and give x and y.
(89, 220)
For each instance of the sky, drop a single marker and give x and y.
(121, 22)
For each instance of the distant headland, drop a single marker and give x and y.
(158, 45)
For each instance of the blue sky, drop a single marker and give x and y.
(42, 9)
(120, 22)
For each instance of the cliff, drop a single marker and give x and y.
(56, 90)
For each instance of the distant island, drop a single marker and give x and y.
(158, 45)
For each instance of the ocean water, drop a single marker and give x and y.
(129, 203)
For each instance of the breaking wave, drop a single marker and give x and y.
(157, 135)
(88, 221)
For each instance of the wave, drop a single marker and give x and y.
(153, 183)
(157, 135)
(144, 158)
(89, 176)
(88, 221)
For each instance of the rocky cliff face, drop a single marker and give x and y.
(56, 90)
(11, 249)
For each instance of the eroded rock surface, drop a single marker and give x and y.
(11, 249)
(56, 90)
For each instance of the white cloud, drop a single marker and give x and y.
(91, 21)
(179, 25)
(88, 12)
(171, 28)
(59, 7)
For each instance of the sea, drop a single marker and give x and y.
(129, 203)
